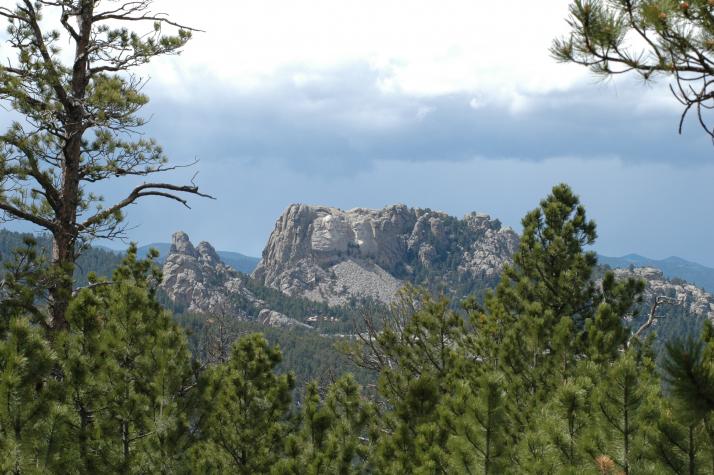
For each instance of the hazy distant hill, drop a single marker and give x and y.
(238, 261)
(672, 267)
(103, 260)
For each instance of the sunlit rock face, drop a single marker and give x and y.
(331, 255)
(196, 280)
(693, 300)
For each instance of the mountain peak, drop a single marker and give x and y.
(208, 252)
(197, 280)
(181, 244)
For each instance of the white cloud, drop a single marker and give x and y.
(421, 47)
(476, 103)
(496, 50)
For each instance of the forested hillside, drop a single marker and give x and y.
(308, 355)
(545, 373)
(674, 320)
(100, 261)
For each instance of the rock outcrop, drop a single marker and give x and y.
(271, 318)
(196, 280)
(330, 255)
(693, 300)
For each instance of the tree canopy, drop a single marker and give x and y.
(80, 118)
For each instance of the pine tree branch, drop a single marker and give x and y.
(147, 189)
(9, 14)
(54, 75)
(50, 192)
(90, 174)
(161, 19)
(64, 19)
(19, 214)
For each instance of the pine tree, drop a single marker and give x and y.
(26, 402)
(126, 366)
(680, 445)
(562, 426)
(689, 370)
(605, 335)
(547, 313)
(665, 38)
(621, 412)
(479, 418)
(334, 435)
(417, 355)
(24, 284)
(32, 422)
(535, 454)
(245, 411)
(689, 374)
(79, 120)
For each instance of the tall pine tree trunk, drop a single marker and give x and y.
(61, 290)
(65, 238)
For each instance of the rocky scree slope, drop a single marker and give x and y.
(196, 280)
(327, 254)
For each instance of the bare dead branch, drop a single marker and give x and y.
(160, 17)
(659, 301)
(147, 189)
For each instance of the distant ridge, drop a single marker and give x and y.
(672, 267)
(236, 260)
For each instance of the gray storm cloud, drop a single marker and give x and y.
(341, 121)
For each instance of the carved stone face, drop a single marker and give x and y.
(331, 234)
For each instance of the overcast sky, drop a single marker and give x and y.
(453, 105)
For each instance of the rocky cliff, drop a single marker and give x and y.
(327, 254)
(331, 255)
(196, 280)
(691, 299)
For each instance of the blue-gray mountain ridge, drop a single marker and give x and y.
(671, 267)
